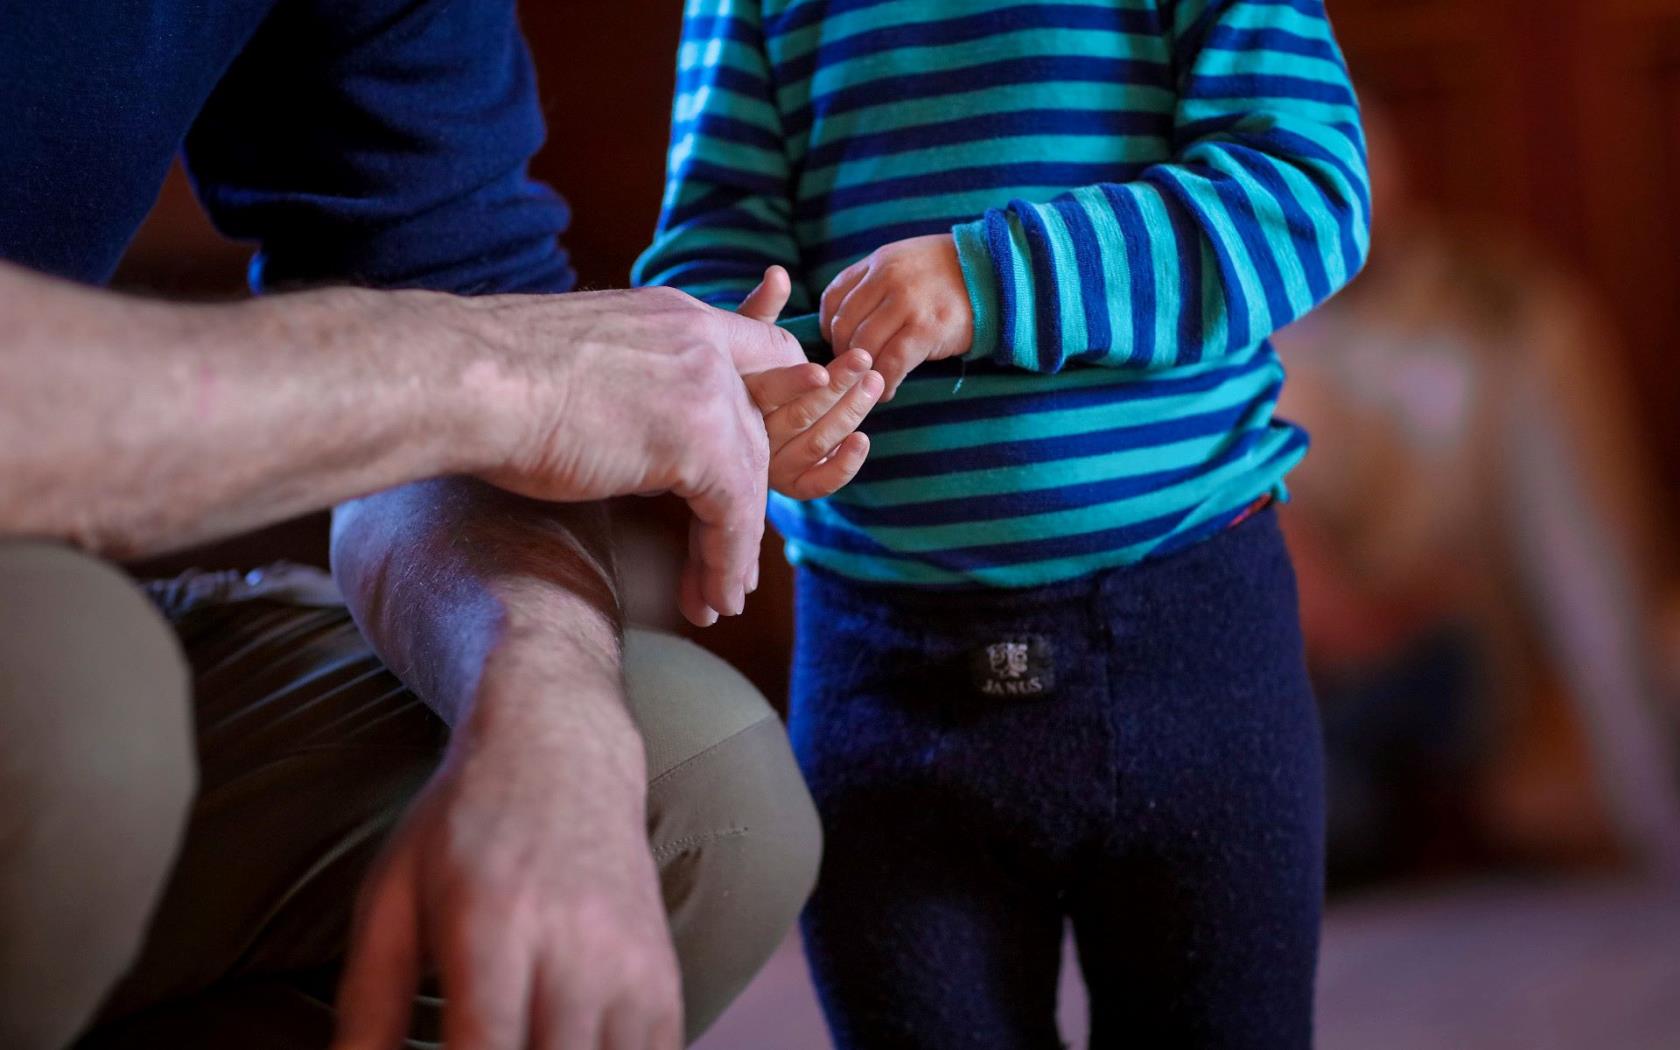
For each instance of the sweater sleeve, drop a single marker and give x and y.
(727, 213)
(1262, 212)
(383, 143)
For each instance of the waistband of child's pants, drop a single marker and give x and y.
(1255, 526)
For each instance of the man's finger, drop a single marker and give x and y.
(725, 534)
(710, 574)
(561, 1018)
(690, 591)
(836, 293)
(723, 570)
(486, 972)
(667, 1034)
(754, 346)
(765, 303)
(627, 1027)
(835, 472)
(724, 482)
(775, 388)
(382, 973)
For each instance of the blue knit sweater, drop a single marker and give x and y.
(381, 142)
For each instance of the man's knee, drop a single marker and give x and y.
(719, 764)
(96, 779)
(731, 824)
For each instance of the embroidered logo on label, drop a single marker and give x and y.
(1009, 659)
(1019, 666)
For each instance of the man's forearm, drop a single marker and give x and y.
(129, 427)
(451, 576)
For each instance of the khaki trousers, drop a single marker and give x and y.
(188, 803)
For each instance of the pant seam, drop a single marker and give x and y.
(702, 753)
(689, 842)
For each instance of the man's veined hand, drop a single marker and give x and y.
(644, 396)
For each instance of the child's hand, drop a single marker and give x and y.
(906, 303)
(810, 412)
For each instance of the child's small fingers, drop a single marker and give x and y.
(775, 387)
(825, 435)
(896, 360)
(878, 329)
(836, 293)
(850, 365)
(835, 472)
(853, 311)
(800, 414)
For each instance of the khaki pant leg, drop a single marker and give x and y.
(311, 751)
(96, 776)
(729, 820)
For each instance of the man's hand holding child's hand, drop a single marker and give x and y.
(810, 412)
(906, 303)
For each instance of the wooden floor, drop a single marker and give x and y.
(1486, 966)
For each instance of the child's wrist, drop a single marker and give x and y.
(981, 282)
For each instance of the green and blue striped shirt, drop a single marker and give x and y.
(1141, 192)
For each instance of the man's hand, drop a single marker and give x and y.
(811, 413)
(129, 426)
(522, 879)
(609, 393)
(906, 303)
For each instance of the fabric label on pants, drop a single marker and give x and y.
(1020, 665)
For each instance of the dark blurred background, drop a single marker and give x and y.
(1484, 530)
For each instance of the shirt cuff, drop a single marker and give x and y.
(980, 274)
(807, 328)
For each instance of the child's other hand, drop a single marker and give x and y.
(811, 413)
(906, 303)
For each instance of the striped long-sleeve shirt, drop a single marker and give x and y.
(1141, 192)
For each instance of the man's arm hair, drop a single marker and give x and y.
(130, 427)
(440, 573)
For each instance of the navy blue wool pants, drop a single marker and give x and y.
(1136, 753)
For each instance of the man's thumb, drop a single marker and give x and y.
(766, 301)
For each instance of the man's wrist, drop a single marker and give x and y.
(441, 370)
(550, 697)
(556, 638)
(475, 399)
(503, 382)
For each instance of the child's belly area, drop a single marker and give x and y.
(1015, 479)
(1011, 432)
